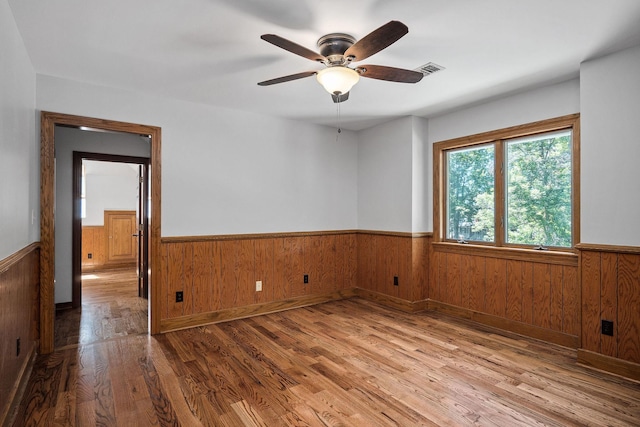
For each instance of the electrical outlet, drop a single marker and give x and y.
(18, 347)
(607, 327)
(90, 256)
(179, 296)
(258, 285)
(306, 278)
(395, 280)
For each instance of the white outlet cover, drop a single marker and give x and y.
(259, 286)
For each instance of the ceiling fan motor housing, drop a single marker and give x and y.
(334, 45)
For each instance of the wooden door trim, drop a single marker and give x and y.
(48, 121)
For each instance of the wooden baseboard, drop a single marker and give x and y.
(554, 337)
(609, 364)
(167, 325)
(92, 268)
(114, 265)
(18, 389)
(391, 301)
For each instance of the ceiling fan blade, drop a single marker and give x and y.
(390, 73)
(340, 98)
(377, 40)
(287, 78)
(293, 47)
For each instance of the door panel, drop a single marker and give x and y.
(121, 240)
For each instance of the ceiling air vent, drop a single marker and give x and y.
(429, 68)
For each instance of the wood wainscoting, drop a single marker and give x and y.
(93, 245)
(19, 290)
(217, 275)
(384, 256)
(611, 291)
(532, 294)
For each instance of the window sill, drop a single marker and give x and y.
(531, 255)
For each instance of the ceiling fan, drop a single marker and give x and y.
(338, 51)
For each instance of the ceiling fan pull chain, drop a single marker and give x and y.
(338, 114)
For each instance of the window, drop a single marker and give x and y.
(470, 193)
(515, 187)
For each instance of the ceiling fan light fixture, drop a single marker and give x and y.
(338, 80)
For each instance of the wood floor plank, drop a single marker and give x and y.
(110, 308)
(344, 363)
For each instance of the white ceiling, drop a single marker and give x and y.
(210, 51)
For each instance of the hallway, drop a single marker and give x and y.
(110, 308)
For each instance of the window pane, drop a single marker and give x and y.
(470, 194)
(539, 190)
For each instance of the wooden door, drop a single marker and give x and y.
(143, 231)
(121, 230)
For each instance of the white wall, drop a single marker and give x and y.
(226, 171)
(537, 104)
(610, 150)
(422, 177)
(19, 149)
(69, 140)
(385, 154)
(109, 186)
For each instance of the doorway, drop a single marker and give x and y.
(109, 249)
(121, 205)
(48, 199)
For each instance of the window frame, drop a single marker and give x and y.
(499, 138)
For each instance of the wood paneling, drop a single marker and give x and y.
(19, 280)
(533, 293)
(556, 293)
(629, 307)
(514, 290)
(406, 281)
(366, 261)
(496, 285)
(203, 276)
(383, 256)
(609, 300)
(228, 292)
(454, 283)
(527, 292)
(294, 267)
(312, 264)
(220, 275)
(346, 261)
(93, 242)
(245, 273)
(571, 302)
(264, 252)
(590, 273)
(542, 295)
(610, 279)
(419, 268)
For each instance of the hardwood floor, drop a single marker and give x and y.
(110, 308)
(344, 363)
